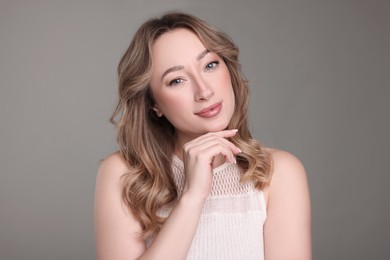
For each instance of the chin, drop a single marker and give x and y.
(218, 127)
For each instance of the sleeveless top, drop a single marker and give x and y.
(232, 219)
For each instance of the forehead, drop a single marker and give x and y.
(176, 48)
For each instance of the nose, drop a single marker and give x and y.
(203, 90)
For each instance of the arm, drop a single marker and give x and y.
(287, 228)
(118, 232)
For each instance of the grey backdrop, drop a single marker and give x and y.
(319, 76)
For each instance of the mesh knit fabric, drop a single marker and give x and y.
(231, 224)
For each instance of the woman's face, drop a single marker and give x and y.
(191, 86)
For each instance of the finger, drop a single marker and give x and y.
(225, 133)
(214, 147)
(214, 136)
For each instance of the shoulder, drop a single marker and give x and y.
(116, 229)
(108, 181)
(287, 227)
(112, 168)
(285, 162)
(113, 163)
(287, 173)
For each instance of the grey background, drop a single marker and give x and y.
(319, 75)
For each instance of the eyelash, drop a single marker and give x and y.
(174, 81)
(213, 62)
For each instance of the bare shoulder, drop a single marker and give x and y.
(287, 172)
(286, 163)
(111, 169)
(114, 166)
(287, 227)
(117, 231)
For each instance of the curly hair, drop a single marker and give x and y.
(147, 141)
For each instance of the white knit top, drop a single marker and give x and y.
(232, 219)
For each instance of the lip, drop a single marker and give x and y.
(210, 111)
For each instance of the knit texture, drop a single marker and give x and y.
(231, 224)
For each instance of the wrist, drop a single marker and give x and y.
(190, 199)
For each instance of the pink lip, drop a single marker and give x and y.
(210, 111)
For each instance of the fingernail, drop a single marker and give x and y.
(235, 162)
(239, 150)
(234, 130)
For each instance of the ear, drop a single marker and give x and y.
(158, 112)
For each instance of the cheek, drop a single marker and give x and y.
(175, 109)
(224, 78)
(226, 85)
(170, 104)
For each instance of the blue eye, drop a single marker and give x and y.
(212, 65)
(175, 82)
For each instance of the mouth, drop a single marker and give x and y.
(210, 111)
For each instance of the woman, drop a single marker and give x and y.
(189, 182)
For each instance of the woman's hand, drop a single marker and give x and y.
(199, 155)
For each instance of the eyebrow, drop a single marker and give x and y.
(202, 54)
(180, 67)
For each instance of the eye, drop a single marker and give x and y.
(212, 65)
(175, 82)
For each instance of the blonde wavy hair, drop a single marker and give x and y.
(147, 141)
